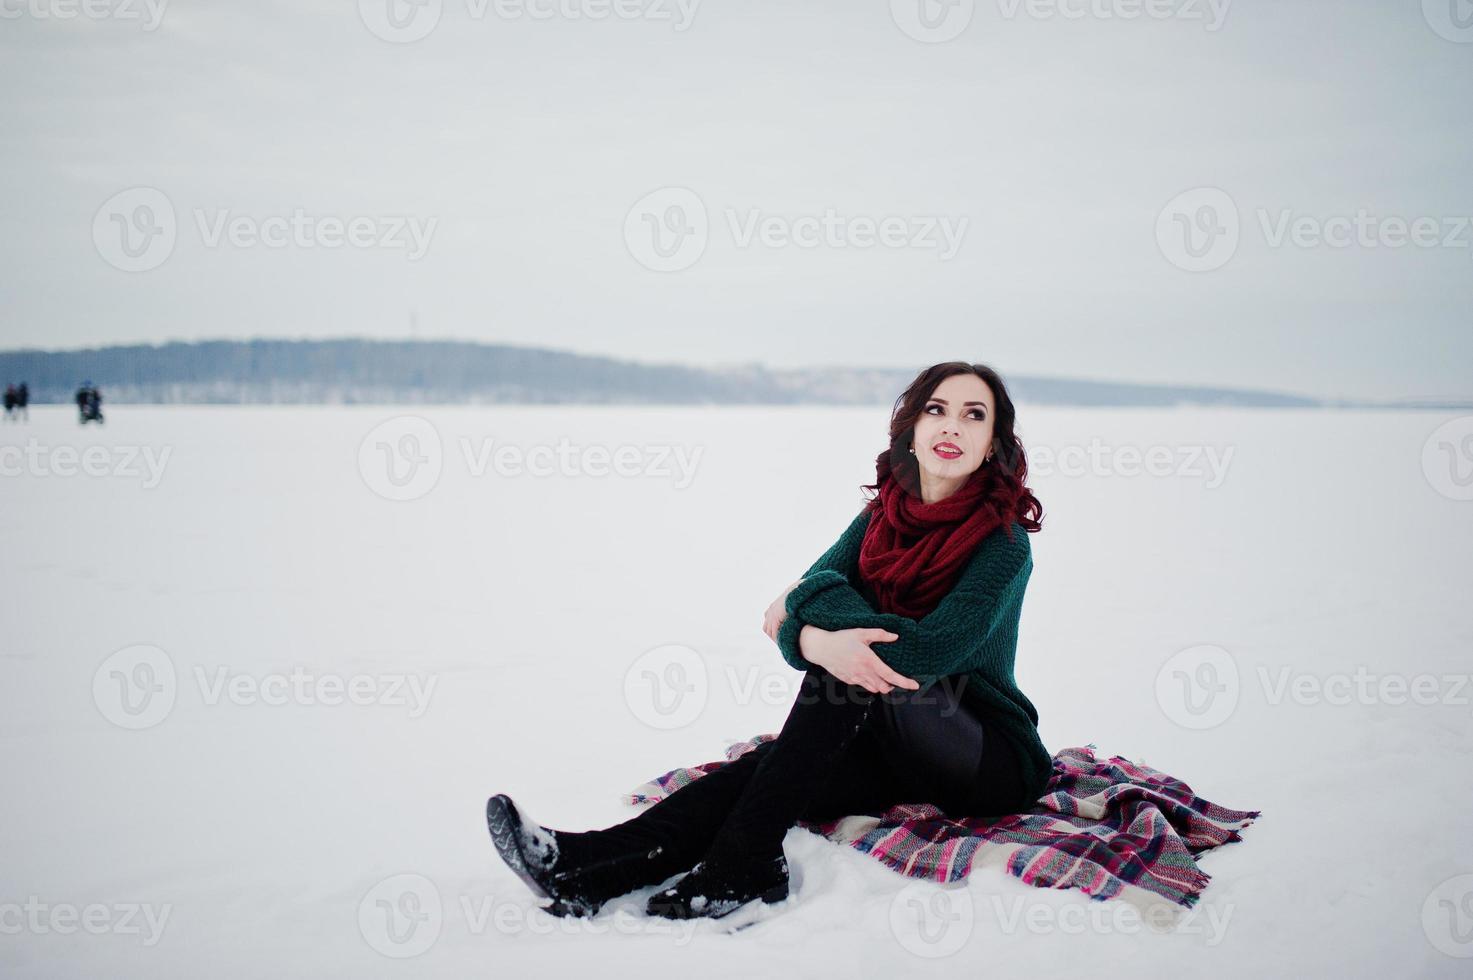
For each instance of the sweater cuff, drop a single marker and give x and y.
(787, 642)
(810, 587)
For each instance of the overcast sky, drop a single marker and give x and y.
(1051, 187)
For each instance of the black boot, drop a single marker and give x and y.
(580, 871)
(550, 862)
(715, 888)
(745, 861)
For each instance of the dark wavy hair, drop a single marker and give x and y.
(1006, 474)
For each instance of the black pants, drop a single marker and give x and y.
(842, 750)
(938, 746)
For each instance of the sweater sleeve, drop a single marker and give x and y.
(948, 637)
(842, 559)
(843, 554)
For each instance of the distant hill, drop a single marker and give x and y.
(355, 371)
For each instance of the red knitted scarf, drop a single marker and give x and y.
(914, 552)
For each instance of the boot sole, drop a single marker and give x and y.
(773, 895)
(752, 913)
(504, 823)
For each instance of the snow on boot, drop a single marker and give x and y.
(717, 887)
(578, 871)
(530, 850)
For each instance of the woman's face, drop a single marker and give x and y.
(958, 413)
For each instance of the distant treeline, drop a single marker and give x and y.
(448, 372)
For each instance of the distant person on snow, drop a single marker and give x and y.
(89, 403)
(23, 400)
(12, 399)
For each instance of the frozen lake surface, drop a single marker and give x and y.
(262, 666)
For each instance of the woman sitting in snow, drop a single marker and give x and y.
(905, 629)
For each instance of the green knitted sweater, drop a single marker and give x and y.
(973, 630)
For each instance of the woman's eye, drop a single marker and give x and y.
(976, 413)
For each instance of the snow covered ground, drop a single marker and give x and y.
(259, 674)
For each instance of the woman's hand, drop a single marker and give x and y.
(776, 613)
(847, 655)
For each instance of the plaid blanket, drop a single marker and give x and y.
(1113, 829)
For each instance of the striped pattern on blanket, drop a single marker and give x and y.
(1112, 828)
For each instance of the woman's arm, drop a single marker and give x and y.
(842, 558)
(847, 655)
(789, 641)
(843, 554)
(947, 637)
